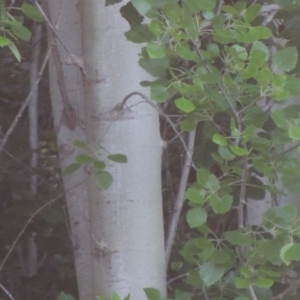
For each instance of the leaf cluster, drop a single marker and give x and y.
(220, 70)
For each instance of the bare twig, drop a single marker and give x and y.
(265, 9)
(52, 201)
(251, 293)
(49, 24)
(4, 289)
(24, 228)
(119, 107)
(242, 199)
(33, 105)
(26, 101)
(288, 290)
(72, 59)
(180, 199)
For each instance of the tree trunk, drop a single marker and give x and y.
(69, 32)
(126, 220)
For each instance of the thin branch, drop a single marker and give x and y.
(277, 156)
(33, 105)
(4, 289)
(265, 9)
(288, 290)
(242, 199)
(26, 101)
(180, 199)
(49, 24)
(72, 59)
(219, 7)
(251, 293)
(120, 106)
(221, 87)
(52, 201)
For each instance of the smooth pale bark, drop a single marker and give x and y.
(69, 31)
(125, 220)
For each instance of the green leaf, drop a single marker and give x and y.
(195, 195)
(230, 10)
(220, 139)
(80, 144)
(213, 49)
(196, 217)
(242, 283)
(252, 12)
(185, 105)
(211, 273)
(131, 15)
(103, 179)
(264, 282)
(115, 296)
(248, 133)
(154, 66)
(239, 51)
(70, 169)
(99, 165)
(236, 237)
(220, 205)
(226, 154)
(285, 59)
(255, 33)
(156, 27)
(200, 5)
(279, 118)
(152, 294)
(155, 51)
(14, 50)
(188, 125)
(282, 216)
(140, 34)
(202, 177)
(294, 132)
(213, 183)
(184, 52)
(111, 2)
(238, 150)
(258, 45)
(159, 93)
(224, 36)
(290, 252)
(283, 253)
(141, 6)
(20, 31)
(4, 41)
(223, 256)
(119, 158)
(182, 295)
(32, 12)
(64, 296)
(84, 159)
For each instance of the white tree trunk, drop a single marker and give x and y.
(69, 32)
(125, 220)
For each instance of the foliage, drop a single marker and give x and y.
(103, 178)
(12, 28)
(219, 68)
